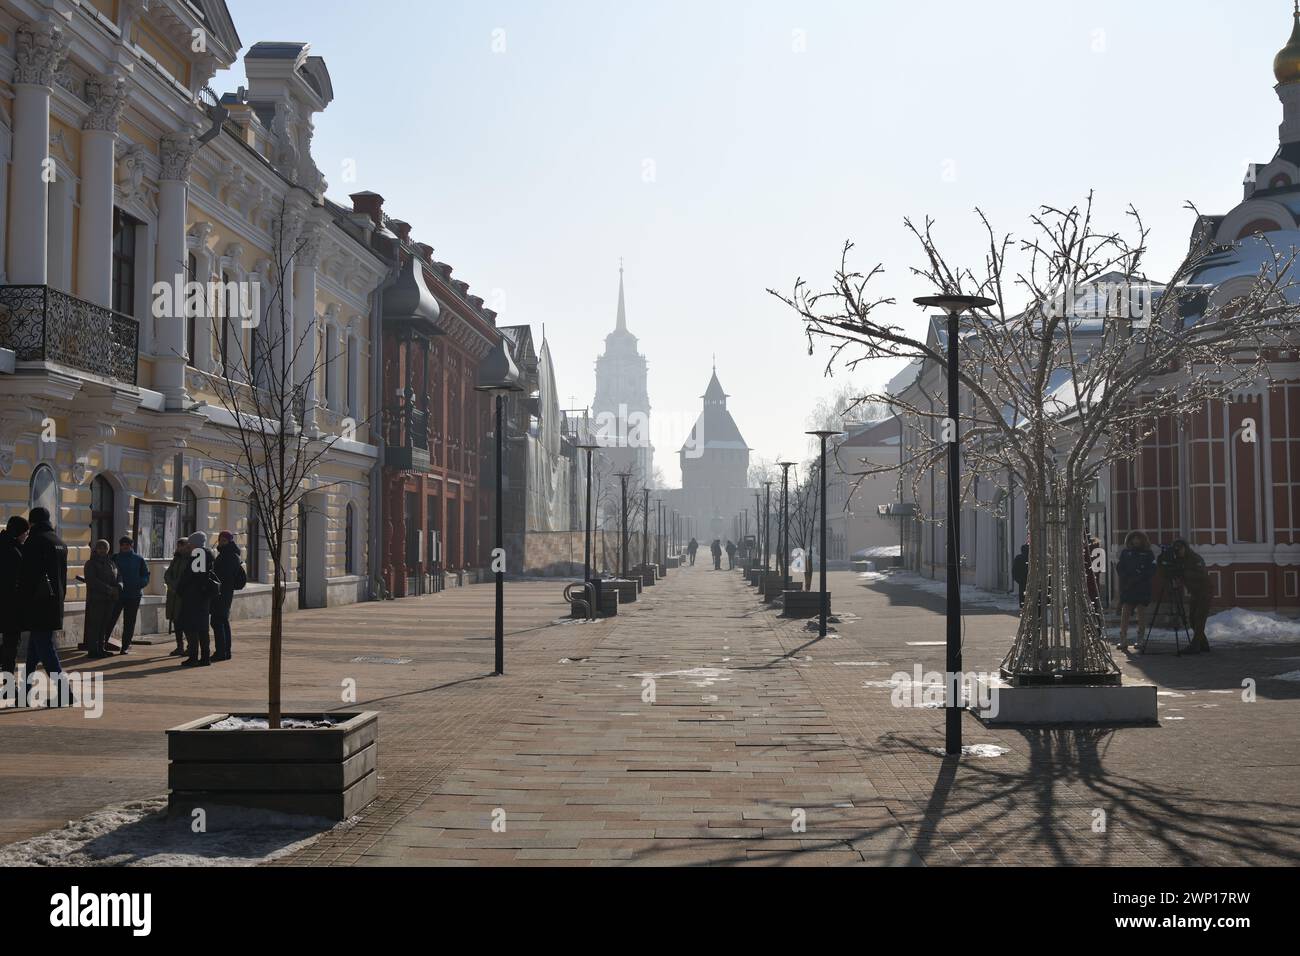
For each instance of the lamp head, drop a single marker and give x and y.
(954, 304)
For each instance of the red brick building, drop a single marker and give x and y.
(434, 521)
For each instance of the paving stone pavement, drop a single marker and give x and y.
(757, 725)
(761, 745)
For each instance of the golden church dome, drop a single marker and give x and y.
(1286, 65)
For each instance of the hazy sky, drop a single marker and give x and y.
(722, 147)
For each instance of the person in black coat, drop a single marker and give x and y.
(231, 573)
(43, 584)
(1020, 572)
(1136, 570)
(103, 591)
(11, 562)
(197, 595)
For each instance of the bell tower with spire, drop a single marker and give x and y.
(622, 404)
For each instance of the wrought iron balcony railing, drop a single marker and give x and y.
(44, 324)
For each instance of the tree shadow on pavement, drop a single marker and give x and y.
(1053, 803)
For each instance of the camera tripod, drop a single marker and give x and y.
(1179, 612)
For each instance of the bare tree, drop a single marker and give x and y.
(805, 513)
(1057, 392)
(264, 386)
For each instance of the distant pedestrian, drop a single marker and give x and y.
(230, 571)
(11, 600)
(133, 575)
(731, 555)
(172, 579)
(103, 591)
(43, 586)
(1136, 569)
(716, 550)
(199, 587)
(691, 548)
(1020, 572)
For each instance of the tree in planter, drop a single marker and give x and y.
(1053, 395)
(805, 512)
(265, 386)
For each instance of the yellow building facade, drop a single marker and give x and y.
(126, 182)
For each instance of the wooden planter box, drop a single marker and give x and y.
(606, 607)
(327, 772)
(646, 574)
(672, 563)
(805, 604)
(625, 589)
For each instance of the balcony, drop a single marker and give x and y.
(44, 325)
(408, 447)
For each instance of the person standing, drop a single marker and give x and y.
(11, 563)
(1020, 572)
(715, 548)
(172, 579)
(133, 575)
(103, 591)
(43, 585)
(198, 586)
(1189, 568)
(691, 548)
(231, 573)
(1136, 569)
(731, 555)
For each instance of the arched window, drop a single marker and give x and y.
(254, 553)
(189, 513)
(44, 491)
(349, 539)
(101, 510)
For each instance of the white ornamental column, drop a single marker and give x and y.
(304, 340)
(39, 49)
(106, 94)
(176, 152)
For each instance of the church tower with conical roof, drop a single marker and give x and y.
(715, 466)
(621, 408)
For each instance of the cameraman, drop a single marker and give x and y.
(1179, 567)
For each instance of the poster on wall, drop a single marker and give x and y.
(156, 526)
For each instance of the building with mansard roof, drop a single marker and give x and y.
(127, 179)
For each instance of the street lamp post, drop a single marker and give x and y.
(785, 524)
(586, 542)
(767, 524)
(623, 477)
(954, 306)
(821, 547)
(498, 376)
(645, 529)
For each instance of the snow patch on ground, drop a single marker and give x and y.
(141, 834)
(970, 596)
(699, 676)
(1289, 675)
(1241, 626)
(286, 723)
(976, 750)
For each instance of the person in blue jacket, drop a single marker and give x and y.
(133, 575)
(1136, 569)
